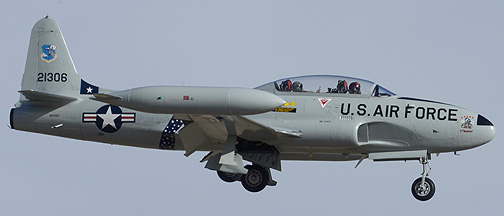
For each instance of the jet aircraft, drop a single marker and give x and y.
(312, 118)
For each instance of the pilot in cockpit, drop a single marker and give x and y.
(297, 87)
(341, 88)
(286, 86)
(354, 88)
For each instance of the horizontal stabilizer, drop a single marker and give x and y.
(42, 96)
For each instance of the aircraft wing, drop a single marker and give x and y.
(210, 132)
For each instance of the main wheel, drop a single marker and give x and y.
(256, 178)
(423, 193)
(228, 177)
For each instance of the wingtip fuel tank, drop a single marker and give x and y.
(194, 100)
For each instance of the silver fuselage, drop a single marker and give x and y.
(346, 127)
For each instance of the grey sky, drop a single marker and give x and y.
(450, 51)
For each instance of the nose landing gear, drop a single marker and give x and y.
(423, 188)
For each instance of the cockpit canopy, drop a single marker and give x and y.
(326, 84)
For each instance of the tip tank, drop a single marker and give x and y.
(195, 100)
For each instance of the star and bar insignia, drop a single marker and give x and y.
(109, 118)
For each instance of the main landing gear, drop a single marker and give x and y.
(255, 180)
(423, 188)
(229, 177)
(229, 162)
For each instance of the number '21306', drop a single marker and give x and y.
(51, 77)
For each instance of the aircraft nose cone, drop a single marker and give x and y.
(474, 134)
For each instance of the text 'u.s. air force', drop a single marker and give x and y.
(395, 111)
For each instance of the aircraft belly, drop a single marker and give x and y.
(319, 156)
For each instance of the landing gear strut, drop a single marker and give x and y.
(423, 188)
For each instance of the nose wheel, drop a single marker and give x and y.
(425, 191)
(423, 188)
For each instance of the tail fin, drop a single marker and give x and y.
(49, 68)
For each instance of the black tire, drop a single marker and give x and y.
(423, 195)
(228, 177)
(256, 178)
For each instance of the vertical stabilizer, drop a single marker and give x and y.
(49, 67)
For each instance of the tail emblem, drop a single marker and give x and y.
(48, 53)
(87, 88)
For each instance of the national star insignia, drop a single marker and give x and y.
(108, 118)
